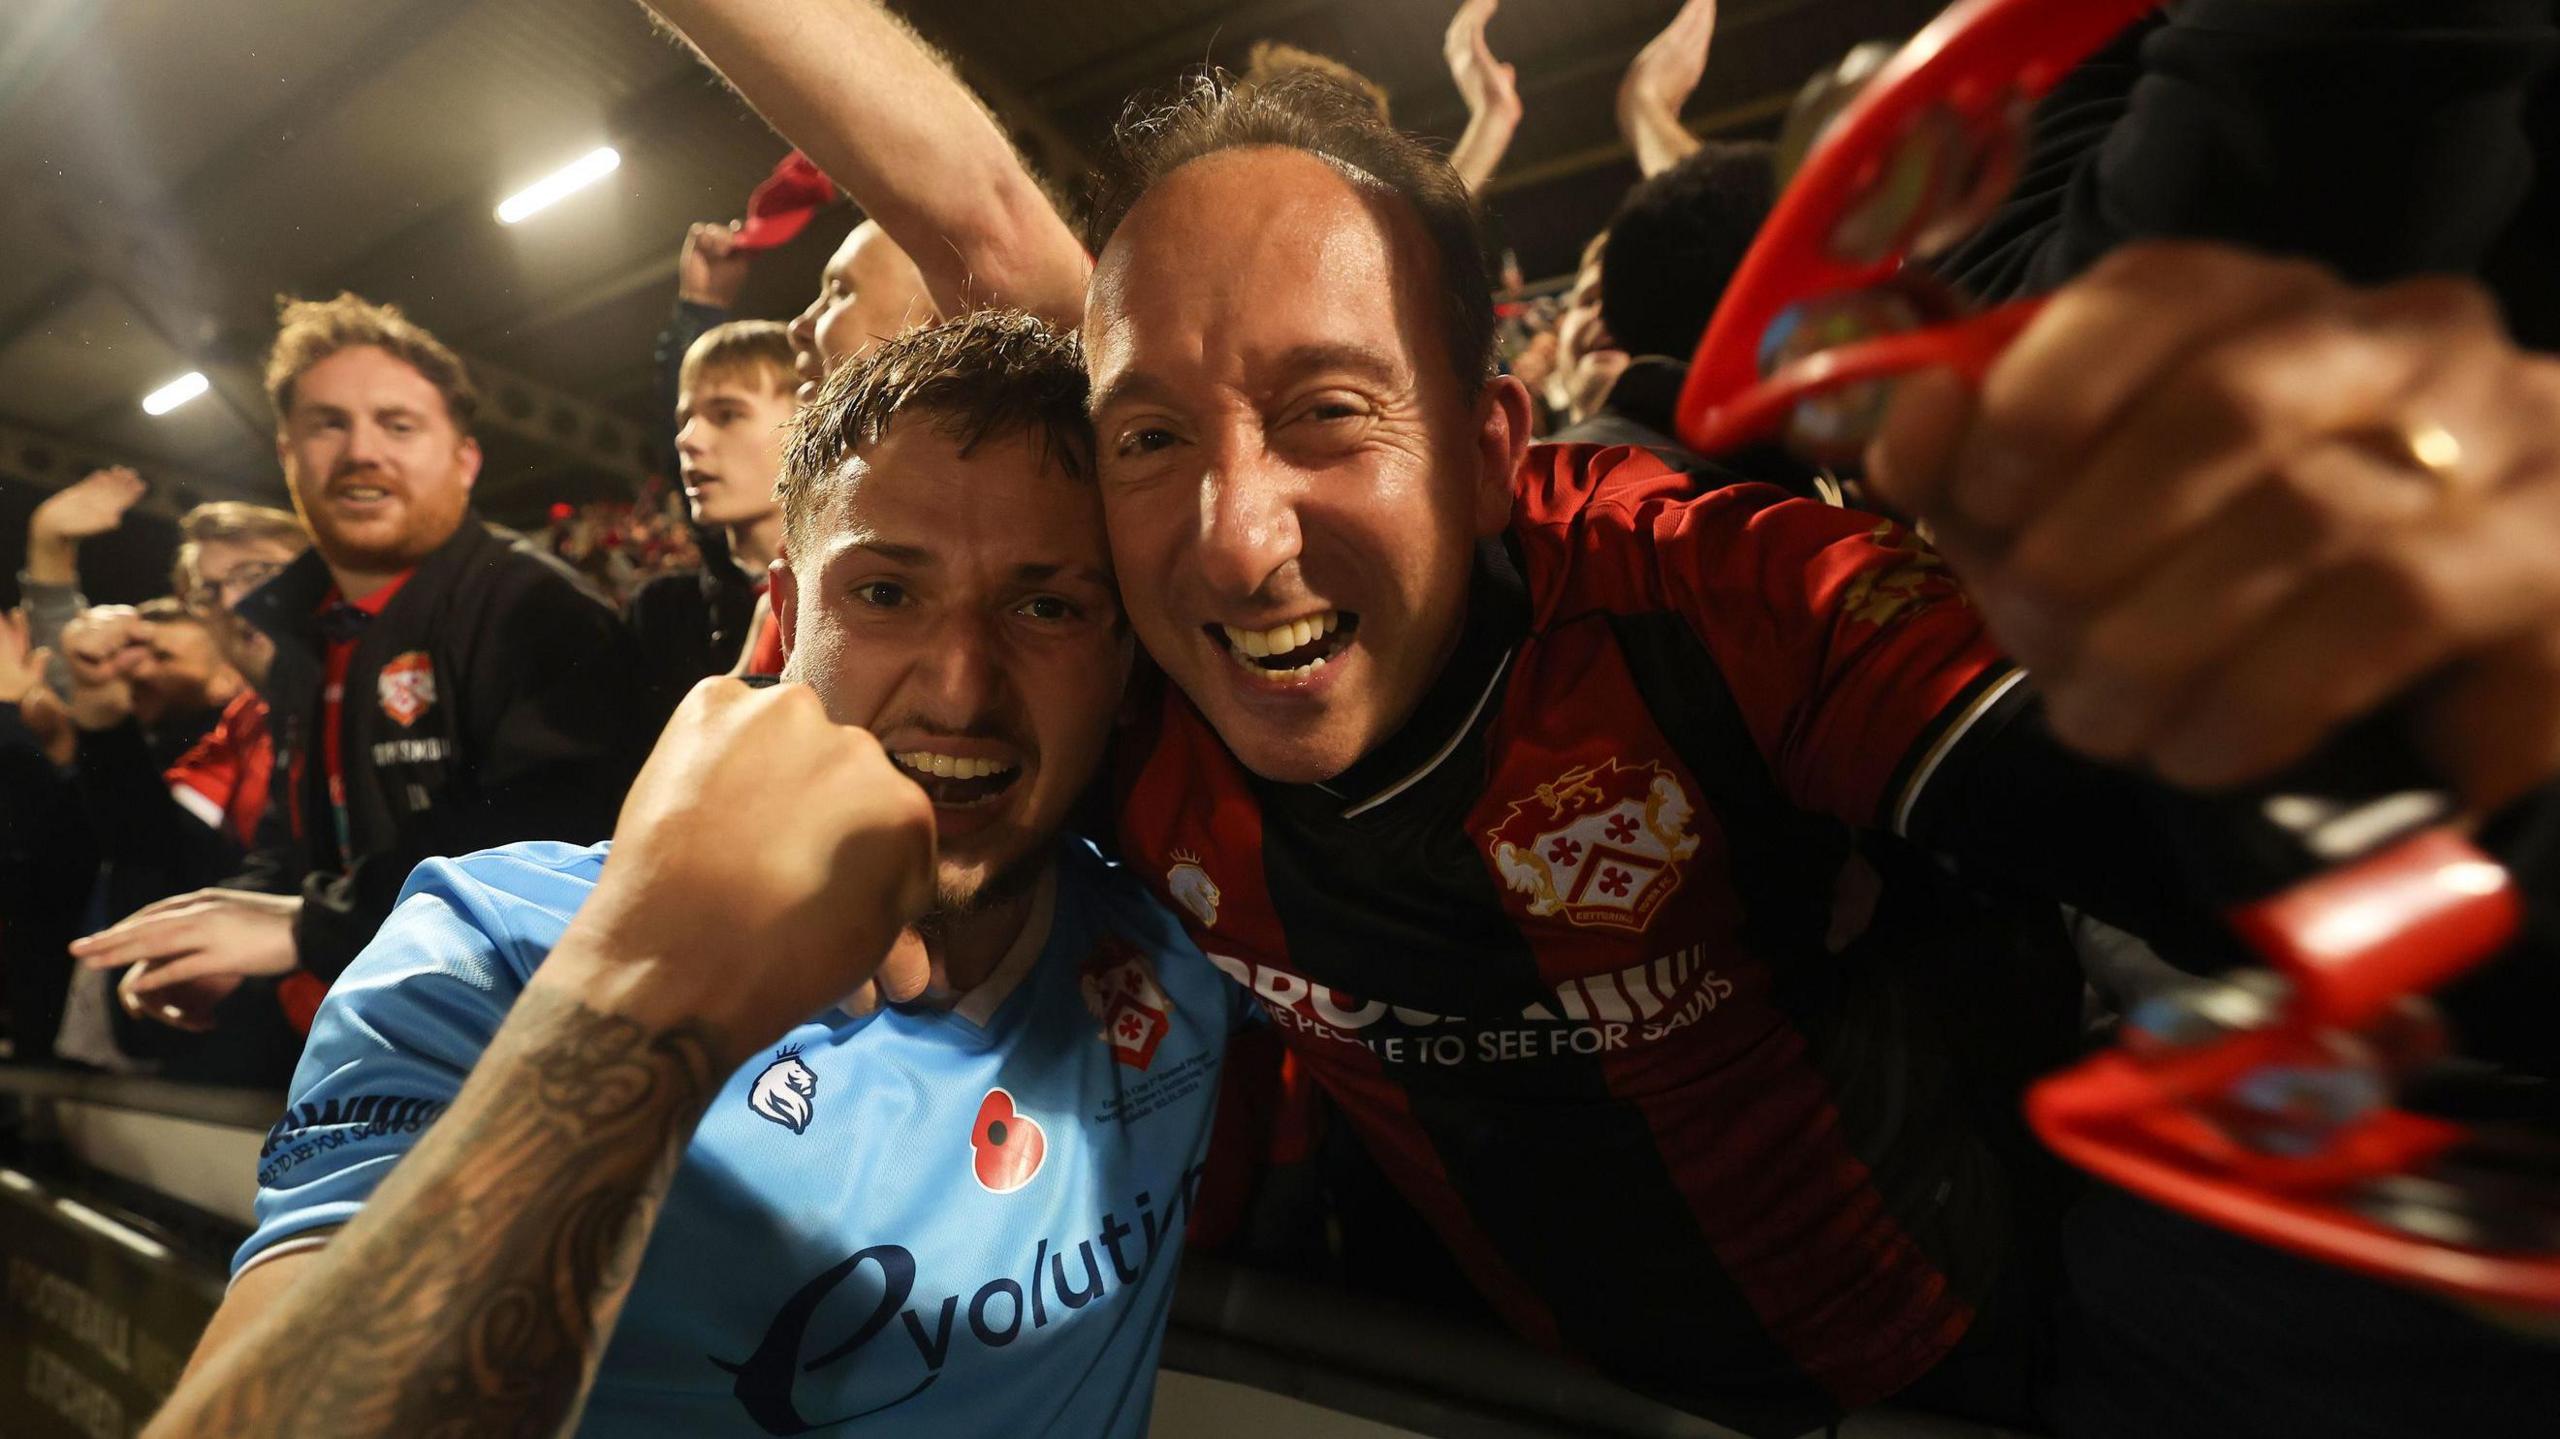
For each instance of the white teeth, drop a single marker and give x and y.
(947, 766)
(1280, 639)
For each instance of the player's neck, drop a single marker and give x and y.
(753, 545)
(967, 948)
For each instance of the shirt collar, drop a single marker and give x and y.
(1497, 619)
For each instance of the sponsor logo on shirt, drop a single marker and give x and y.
(1594, 1014)
(407, 687)
(1600, 845)
(1005, 1145)
(311, 1129)
(1192, 888)
(786, 1093)
(850, 1376)
(1121, 993)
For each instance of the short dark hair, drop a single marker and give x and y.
(988, 374)
(1310, 111)
(1676, 242)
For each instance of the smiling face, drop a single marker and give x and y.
(729, 443)
(960, 607)
(869, 291)
(1294, 477)
(378, 470)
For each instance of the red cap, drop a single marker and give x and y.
(780, 207)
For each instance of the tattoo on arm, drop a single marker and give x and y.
(474, 1293)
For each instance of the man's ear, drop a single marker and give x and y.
(1502, 438)
(783, 593)
(470, 463)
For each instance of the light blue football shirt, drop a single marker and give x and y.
(957, 1222)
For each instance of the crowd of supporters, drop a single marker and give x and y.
(1918, 891)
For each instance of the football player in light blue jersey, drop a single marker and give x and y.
(635, 1117)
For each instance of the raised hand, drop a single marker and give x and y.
(83, 509)
(2224, 505)
(103, 646)
(712, 268)
(1490, 89)
(1659, 81)
(765, 862)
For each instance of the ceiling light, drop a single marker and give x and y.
(550, 189)
(175, 393)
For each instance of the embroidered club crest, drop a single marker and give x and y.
(407, 687)
(786, 1093)
(1121, 993)
(1192, 888)
(1600, 845)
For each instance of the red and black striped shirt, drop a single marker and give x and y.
(1568, 968)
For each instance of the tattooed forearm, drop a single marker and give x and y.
(474, 1294)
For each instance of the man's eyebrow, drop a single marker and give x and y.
(1035, 573)
(1297, 360)
(1127, 388)
(894, 553)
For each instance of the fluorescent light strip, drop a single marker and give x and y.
(175, 393)
(12, 1179)
(558, 185)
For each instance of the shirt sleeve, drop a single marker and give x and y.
(388, 1050)
(1849, 650)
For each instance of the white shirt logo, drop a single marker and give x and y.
(786, 1093)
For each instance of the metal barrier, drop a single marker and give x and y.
(117, 1216)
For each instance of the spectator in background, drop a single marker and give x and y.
(869, 291)
(734, 397)
(1587, 357)
(50, 584)
(1671, 250)
(47, 858)
(1491, 90)
(1664, 74)
(435, 689)
(226, 550)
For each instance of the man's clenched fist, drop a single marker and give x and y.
(764, 863)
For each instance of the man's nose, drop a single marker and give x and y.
(1248, 518)
(960, 672)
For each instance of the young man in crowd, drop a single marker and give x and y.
(651, 1077)
(434, 690)
(718, 618)
(1515, 783)
(734, 399)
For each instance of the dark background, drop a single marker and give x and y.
(170, 166)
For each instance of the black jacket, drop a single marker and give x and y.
(690, 625)
(515, 710)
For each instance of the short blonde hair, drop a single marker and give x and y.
(229, 522)
(309, 331)
(740, 349)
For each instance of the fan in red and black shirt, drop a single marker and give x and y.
(1519, 792)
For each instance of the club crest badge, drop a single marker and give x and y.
(786, 1093)
(1600, 845)
(1192, 888)
(1121, 993)
(407, 687)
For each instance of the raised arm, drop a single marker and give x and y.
(883, 115)
(1664, 74)
(476, 1288)
(1490, 90)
